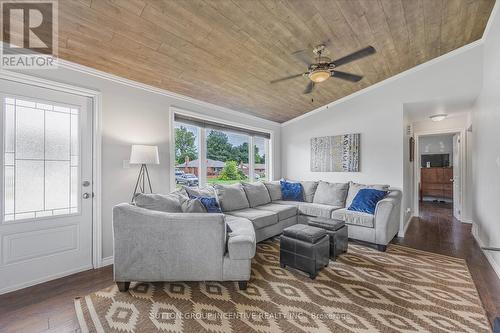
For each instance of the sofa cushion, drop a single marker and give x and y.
(331, 193)
(192, 205)
(257, 194)
(161, 202)
(274, 189)
(354, 218)
(207, 191)
(310, 209)
(317, 210)
(291, 191)
(309, 190)
(354, 188)
(241, 238)
(259, 217)
(366, 200)
(284, 211)
(231, 197)
(180, 192)
(210, 203)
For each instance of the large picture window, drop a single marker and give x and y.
(213, 153)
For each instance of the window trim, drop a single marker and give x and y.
(175, 110)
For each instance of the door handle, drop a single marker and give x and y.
(452, 180)
(86, 195)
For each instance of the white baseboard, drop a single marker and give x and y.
(488, 255)
(402, 233)
(44, 279)
(107, 261)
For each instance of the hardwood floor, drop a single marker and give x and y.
(438, 231)
(48, 307)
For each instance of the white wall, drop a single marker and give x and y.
(377, 113)
(133, 115)
(453, 121)
(486, 146)
(408, 180)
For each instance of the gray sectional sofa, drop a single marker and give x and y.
(172, 238)
(270, 214)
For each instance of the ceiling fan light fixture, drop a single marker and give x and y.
(438, 117)
(319, 75)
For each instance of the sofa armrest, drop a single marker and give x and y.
(387, 217)
(241, 239)
(157, 246)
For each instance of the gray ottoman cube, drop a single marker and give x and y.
(336, 229)
(305, 248)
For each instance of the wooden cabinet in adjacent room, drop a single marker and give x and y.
(436, 182)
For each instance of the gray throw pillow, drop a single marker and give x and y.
(274, 189)
(161, 202)
(192, 206)
(308, 190)
(257, 194)
(354, 189)
(207, 191)
(231, 197)
(333, 194)
(180, 192)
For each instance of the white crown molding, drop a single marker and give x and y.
(131, 83)
(389, 80)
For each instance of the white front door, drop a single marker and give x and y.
(46, 184)
(457, 209)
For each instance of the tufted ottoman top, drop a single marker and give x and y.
(304, 233)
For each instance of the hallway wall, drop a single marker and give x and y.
(486, 147)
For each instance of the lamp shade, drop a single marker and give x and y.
(141, 154)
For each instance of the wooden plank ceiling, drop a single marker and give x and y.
(226, 51)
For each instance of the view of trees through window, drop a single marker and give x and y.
(226, 156)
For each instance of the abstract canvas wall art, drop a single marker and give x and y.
(339, 153)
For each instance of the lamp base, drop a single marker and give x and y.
(141, 182)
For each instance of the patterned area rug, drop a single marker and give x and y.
(401, 290)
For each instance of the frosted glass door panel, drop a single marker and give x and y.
(29, 133)
(41, 159)
(57, 136)
(57, 185)
(28, 186)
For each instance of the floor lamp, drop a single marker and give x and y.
(143, 155)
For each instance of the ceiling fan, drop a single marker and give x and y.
(323, 68)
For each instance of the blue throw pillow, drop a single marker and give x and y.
(291, 191)
(366, 200)
(210, 203)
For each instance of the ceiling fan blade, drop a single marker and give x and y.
(354, 56)
(346, 76)
(303, 57)
(309, 87)
(286, 78)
